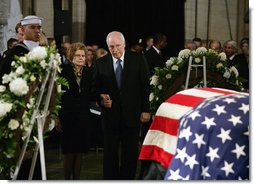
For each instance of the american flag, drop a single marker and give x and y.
(160, 142)
(213, 141)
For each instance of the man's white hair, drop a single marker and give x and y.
(115, 33)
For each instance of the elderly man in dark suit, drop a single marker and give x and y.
(31, 27)
(121, 85)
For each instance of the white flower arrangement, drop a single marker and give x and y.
(163, 78)
(18, 95)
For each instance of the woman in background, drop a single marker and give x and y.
(74, 114)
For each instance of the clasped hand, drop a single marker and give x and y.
(106, 101)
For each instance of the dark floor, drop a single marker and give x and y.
(92, 162)
(91, 165)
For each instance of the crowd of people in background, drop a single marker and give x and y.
(123, 108)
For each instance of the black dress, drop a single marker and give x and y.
(74, 114)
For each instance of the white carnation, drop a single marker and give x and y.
(219, 65)
(13, 124)
(43, 64)
(151, 97)
(23, 59)
(180, 60)
(32, 78)
(168, 76)
(5, 108)
(175, 68)
(20, 70)
(8, 77)
(59, 88)
(19, 87)
(223, 56)
(234, 70)
(2, 88)
(226, 75)
(154, 80)
(170, 62)
(185, 53)
(197, 60)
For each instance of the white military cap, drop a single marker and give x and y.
(31, 19)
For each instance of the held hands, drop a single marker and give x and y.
(106, 101)
(145, 117)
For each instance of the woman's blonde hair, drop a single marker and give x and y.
(73, 48)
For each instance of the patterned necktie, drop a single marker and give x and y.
(119, 70)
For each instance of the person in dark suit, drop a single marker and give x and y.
(74, 113)
(230, 48)
(154, 55)
(121, 85)
(31, 26)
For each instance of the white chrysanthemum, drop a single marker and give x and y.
(32, 78)
(43, 64)
(151, 97)
(20, 70)
(237, 82)
(38, 53)
(13, 63)
(2, 88)
(154, 80)
(197, 60)
(170, 62)
(226, 75)
(201, 50)
(168, 76)
(185, 53)
(160, 87)
(5, 108)
(19, 87)
(234, 70)
(180, 60)
(8, 77)
(212, 51)
(23, 59)
(223, 56)
(59, 88)
(219, 65)
(13, 124)
(175, 67)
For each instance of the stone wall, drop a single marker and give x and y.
(218, 26)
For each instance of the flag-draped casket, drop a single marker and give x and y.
(213, 141)
(161, 140)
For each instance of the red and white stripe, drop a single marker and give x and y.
(161, 140)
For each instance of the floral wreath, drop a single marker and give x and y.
(164, 78)
(17, 101)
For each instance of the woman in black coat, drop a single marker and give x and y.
(74, 114)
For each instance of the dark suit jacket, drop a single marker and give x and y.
(154, 59)
(19, 50)
(133, 97)
(75, 100)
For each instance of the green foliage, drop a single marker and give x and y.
(18, 96)
(163, 78)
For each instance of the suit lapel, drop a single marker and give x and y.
(126, 67)
(111, 71)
